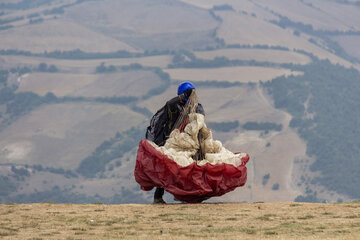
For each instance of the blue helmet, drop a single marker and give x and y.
(185, 86)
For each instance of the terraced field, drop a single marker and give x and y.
(157, 35)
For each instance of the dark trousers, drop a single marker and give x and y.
(159, 192)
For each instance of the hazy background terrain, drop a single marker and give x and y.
(80, 80)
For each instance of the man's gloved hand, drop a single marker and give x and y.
(187, 93)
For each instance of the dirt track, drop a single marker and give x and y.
(181, 221)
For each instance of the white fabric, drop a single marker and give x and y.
(181, 146)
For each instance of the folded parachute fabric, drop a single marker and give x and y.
(172, 167)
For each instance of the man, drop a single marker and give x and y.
(163, 121)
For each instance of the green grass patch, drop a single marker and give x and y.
(293, 224)
(266, 217)
(248, 230)
(306, 217)
(172, 214)
(341, 231)
(327, 213)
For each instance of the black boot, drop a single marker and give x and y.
(158, 196)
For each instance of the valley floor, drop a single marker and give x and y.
(286, 220)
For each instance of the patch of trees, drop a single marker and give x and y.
(262, 126)
(265, 179)
(6, 186)
(258, 46)
(33, 15)
(217, 84)
(117, 100)
(4, 74)
(18, 104)
(165, 79)
(10, 20)
(28, 4)
(109, 150)
(43, 67)
(142, 110)
(23, 102)
(20, 173)
(218, 62)
(332, 133)
(36, 20)
(25, 4)
(78, 54)
(275, 187)
(6, 27)
(103, 69)
(309, 198)
(216, 17)
(224, 7)
(133, 67)
(223, 126)
(60, 171)
(58, 10)
(65, 195)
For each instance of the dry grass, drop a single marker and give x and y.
(180, 221)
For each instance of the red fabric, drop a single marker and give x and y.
(182, 126)
(192, 183)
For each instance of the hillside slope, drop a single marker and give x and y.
(80, 80)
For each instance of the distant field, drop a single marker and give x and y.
(249, 7)
(90, 85)
(284, 220)
(261, 55)
(329, 17)
(321, 15)
(59, 84)
(230, 74)
(138, 18)
(61, 135)
(235, 30)
(157, 25)
(350, 45)
(58, 34)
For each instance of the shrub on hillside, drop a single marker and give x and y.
(262, 126)
(223, 126)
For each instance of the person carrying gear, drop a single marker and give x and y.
(162, 123)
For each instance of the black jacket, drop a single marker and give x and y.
(164, 119)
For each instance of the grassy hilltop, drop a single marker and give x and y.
(283, 220)
(80, 79)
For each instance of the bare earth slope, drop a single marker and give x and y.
(244, 42)
(284, 220)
